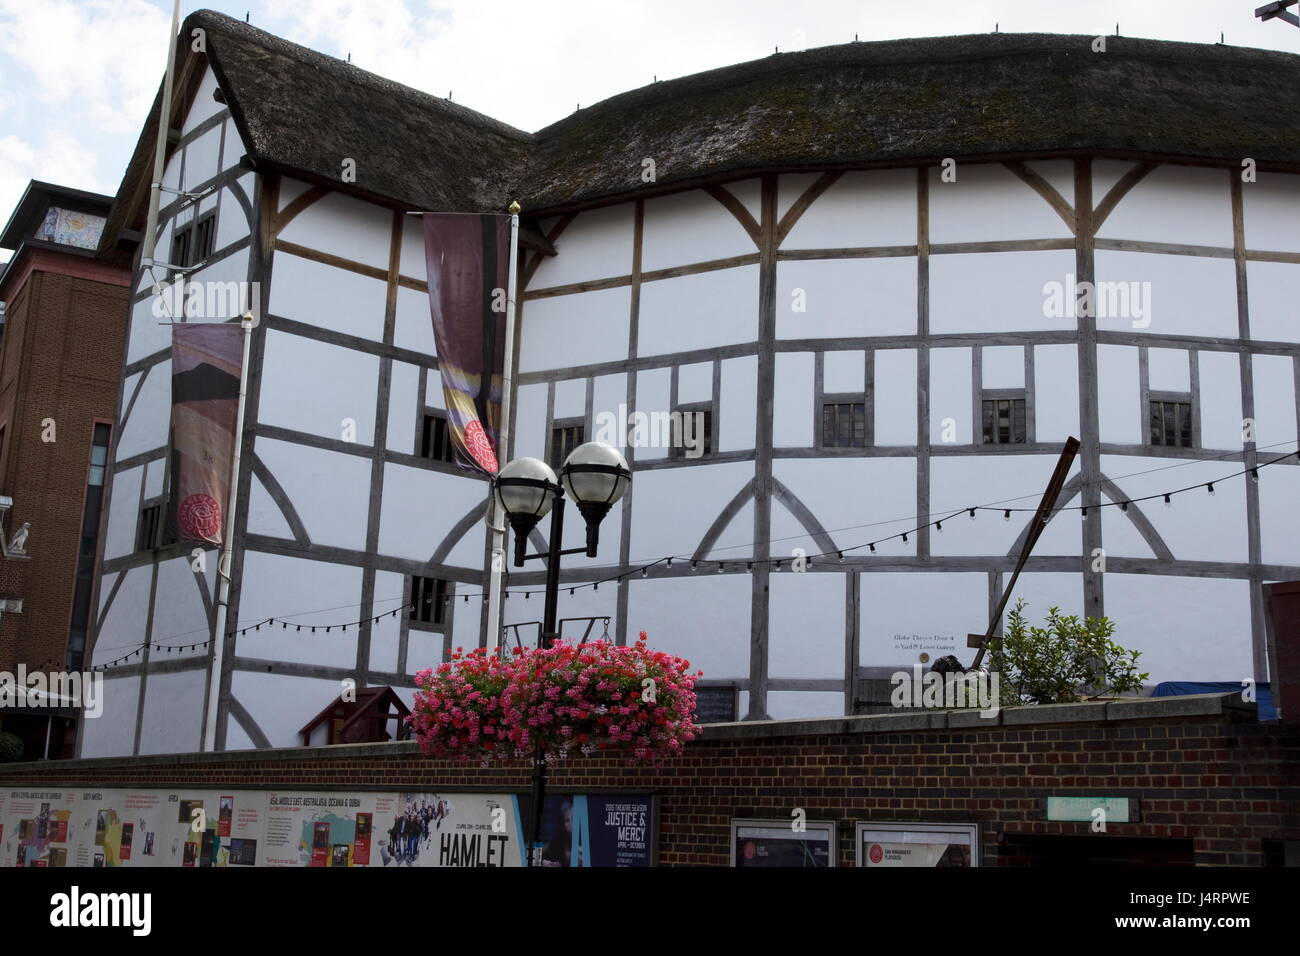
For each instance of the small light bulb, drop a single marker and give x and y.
(1210, 487)
(1006, 515)
(1168, 501)
(972, 513)
(872, 547)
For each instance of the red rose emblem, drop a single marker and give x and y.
(876, 853)
(480, 446)
(200, 517)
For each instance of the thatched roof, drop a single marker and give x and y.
(854, 105)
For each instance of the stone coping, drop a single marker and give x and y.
(1136, 708)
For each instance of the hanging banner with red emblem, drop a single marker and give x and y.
(468, 263)
(206, 368)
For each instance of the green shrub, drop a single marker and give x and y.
(11, 748)
(1064, 662)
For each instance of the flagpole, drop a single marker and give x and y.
(160, 147)
(227, 547)
(497, 564)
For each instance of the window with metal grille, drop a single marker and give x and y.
(205, 235)
(692, 432)
(565, 436)
(1004, 421)
(147, 532)
(435, 438)
(429, 600)
(1171, 423)
(844, 424)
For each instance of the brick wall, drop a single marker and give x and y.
(1202, 769)
(61, 360)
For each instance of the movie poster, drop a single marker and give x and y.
(596, 830)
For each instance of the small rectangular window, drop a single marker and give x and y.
(692, 432)
(180, 256)
(565, 436)
(1004, 421)
(204, 238)
(147, 532)
(435, 439)
(429, 600)
(844, 424)
(1171, 423)
(98, 455)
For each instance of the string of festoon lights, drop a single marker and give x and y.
(748, 564)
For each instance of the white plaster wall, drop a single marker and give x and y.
(290, 189)
(226, 301)
(529, 439)
(960, 211)
(233, 149)
(1119, 395)
(1279, 521)
(1169, 370)
(146, 335)
(300, 591)
(685, 228)
(232, 222)
(1006, 481)
(578, 329)
(203, 106)
(806, 626)
(123, 512)
(571, 398)
(123, 627)
(179, 698)
(750, 194)
(112, 734)
(1188, 205)
(844, 371)
(179, 616)
(293, 370)
(1056, 392)
(857, 500)
(1274, 300)
(1002, 366)
(1270, 210)
(1275, 407)
(344, 227)
(329, 490)
(1105, 174)
(703, 618)
(608, 393)
(792, 410)
(1186, 628)
(695, 383)
(412, 262)
(793, 705)
(202, 160)
(902, 619)
(403, 425)
(895, 397)
(976, 292)
(329, 298)
(1059, 174)
(950, 394)
(1220, 400)
(1187, 296)
(846, 298)
(385, 634)
(1196, 526)
(738, 403)
(280, 704)
(672, 509)
(420, 507)
(597, 244)
(876, 208)
(698, 311)
(264, 515)
(653, 394)
(413, 322)
(147, 427)
(154, 473)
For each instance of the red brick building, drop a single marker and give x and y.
(65, 308)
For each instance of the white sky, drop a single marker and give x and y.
(77, 76)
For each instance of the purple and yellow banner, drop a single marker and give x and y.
(468, 262)
(206, 361)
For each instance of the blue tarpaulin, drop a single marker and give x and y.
(1178, 688)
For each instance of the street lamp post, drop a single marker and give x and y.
(595, 476)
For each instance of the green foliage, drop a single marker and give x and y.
(11, 748)
(1064, 662)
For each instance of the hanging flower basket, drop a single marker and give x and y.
(567, 698)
